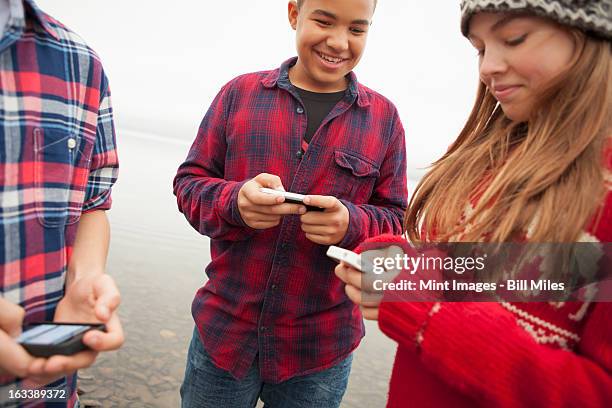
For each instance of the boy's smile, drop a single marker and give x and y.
(330, 39)
(331, 61)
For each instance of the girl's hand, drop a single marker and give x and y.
(365, 289)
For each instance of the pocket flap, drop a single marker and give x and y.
(358, 166)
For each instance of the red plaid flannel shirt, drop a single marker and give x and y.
(273, 293)
(57, 158)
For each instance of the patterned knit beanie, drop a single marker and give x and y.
(592, 16)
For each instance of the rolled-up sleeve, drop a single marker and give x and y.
(104, 165)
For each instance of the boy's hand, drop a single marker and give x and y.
(328, 227)
(88, 300)
(14, 360)
(260, 210)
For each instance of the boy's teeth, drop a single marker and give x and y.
(330, 59)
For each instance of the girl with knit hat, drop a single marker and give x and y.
(532, 164)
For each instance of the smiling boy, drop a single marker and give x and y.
(272, 322)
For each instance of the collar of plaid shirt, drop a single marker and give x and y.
(280, 77)
(17, 21)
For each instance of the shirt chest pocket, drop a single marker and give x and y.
(353, 178)
(61, 168)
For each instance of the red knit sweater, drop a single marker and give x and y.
(502, 355)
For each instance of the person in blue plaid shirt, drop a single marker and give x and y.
(58, 163)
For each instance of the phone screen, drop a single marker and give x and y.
(46, 334)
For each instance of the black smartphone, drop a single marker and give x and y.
(47, 339)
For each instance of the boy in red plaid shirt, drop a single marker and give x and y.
(58, 163)
(272, 322)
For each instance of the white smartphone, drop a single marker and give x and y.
(292, 198)
(346, 256)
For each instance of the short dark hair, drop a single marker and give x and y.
(300, 2)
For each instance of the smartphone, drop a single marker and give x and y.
(346, 256)
(291, 198)
(47, 339)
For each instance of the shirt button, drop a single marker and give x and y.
(299, 154)
(300, 110)
(273, 287)
(71, 143)
(263, 328)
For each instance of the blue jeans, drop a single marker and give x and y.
(205, 385)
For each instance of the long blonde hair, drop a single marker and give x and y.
(545, 175)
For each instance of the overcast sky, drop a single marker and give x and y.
(167, 60)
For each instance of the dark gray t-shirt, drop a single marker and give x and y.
(317, 105)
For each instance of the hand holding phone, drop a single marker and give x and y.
(46, 339)
(260, 210)
(291, 198)
(346, 256)
(356, 281)
(14, 360)
(92, 298)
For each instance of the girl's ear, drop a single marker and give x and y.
(292, 12)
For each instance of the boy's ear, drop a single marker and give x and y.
(293, 12)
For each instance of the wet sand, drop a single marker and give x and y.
(158, 261)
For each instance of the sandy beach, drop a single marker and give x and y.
(158, 261)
